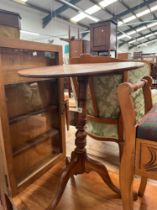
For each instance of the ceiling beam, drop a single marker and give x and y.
(40, 9)
(131, 11)
(46, 20)
(68, 20)
(139, 6)
(120, 45)
(109, 12)
(32, 6)
(142, 43)
(115, 17)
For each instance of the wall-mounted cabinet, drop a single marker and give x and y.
(31, 114)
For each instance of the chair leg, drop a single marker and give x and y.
(142, 186)
(126, 179)
(67, 113)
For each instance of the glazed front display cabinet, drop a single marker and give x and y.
(32, 116)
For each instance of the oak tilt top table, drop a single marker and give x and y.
(80, 162)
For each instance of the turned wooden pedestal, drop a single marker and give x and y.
(80, 162)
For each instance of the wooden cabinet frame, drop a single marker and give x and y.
(15, 55)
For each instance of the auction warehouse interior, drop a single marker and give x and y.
(78, 105)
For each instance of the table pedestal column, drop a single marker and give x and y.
(80, 162)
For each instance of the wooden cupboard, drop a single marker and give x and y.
(103, 36)
(79, 47)
(9, 24)
(32, 136)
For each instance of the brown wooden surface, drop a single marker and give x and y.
(80, 70)
(123, 56)
(103, 36)
(32, 115)
(76, 48)
(127, 167)
(86, 58)
(29, 45)
(80, 195)
(146, 161)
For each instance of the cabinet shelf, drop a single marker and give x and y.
(32, 125)
(33, 142)
(24, 116)
(53, 158)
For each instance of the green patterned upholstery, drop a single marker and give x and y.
(154, 95)
(105, 89)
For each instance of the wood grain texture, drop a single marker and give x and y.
(30, 111)
(86, 58)
(146, 158)
(80, 70)
(133, 148)
(79, 194)
(28, 45)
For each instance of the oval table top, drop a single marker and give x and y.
(71, 70)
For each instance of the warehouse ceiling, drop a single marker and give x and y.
(136, 19)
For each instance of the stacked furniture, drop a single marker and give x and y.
(31, 116)
(9, 24)
(103, 37)
(77, 46)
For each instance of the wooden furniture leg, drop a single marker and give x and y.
(80, 162)
(93, 165)
(126, 181)
(142, 186)
(66, 104)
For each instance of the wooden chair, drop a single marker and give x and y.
(104, 122)
(140, 148)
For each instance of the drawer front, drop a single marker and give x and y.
(146, 158)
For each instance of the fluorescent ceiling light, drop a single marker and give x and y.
(78, 17)
(81, 16)
(93, 9)
(141, 28)
(120, 23)
(30, 33)
(149, 35)
(106, 3)
(138, 30)
(136, 40)
(153, 8)
(141, 38)
(132, 41)
(123, 36)
(21, 1)
(145, 12)
(131, 32)
(151, 25)
(144, 44)
(126, 20)
(92, 18)
(139, 14)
